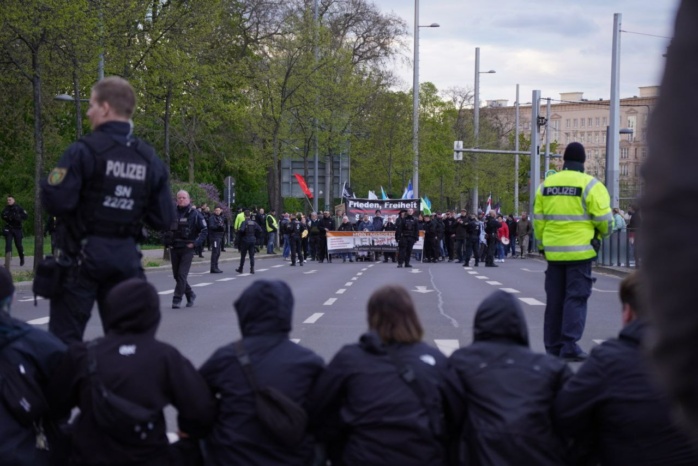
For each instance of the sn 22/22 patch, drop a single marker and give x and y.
(56, 176)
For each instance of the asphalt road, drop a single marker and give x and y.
(330, 302)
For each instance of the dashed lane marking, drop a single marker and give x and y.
(262, 270)
(296, 340)
(202, 284)
(447, 347)
(467, 268)
(533, 271)
(244, 275)
(532, 301)
(364, 269)
(313, 318)
(310, 271)
(166, 292)
(225, 279)
(492, 282)
(354, 278)
(277, 266)
(604, 291)
(358, 274)
(472, 272)
(510, 290)
(341, 291)
(482, 277)
(38, 298)
(348, 283)
(39, 321)
(329, 302)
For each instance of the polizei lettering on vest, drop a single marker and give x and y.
(562, 191)
(130, 171)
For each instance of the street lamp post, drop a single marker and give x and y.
(415, 99)
(78, 110)
(476, 121)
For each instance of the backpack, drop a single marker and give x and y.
(121, 419)
(285, 419)
(19, 390)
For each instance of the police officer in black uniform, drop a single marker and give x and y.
(103, 189)
(295, 231)
(472, 241)
(216, 231)
(326, 224)
(249, 233)
(406, 234)
(491, 227)
(188, 233)
(431, 240)
(13, 215)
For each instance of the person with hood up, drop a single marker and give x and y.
(265, 312)
(367, 411)
(132, 364)
(509, 391)
(39, 353)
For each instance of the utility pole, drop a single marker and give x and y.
(612, 159)
(516, 157)
(535, 155)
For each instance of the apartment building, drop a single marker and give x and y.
(574, 118)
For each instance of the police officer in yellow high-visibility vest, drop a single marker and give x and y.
(572, 213)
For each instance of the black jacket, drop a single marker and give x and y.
(40, 353)
(264, 313)
(509, 390)
(14, 215)
(370, 416)
(136, 366)
(613, 397)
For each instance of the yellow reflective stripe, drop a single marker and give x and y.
(582, 248)
(566, 218)
(604, 218)
(591, 184)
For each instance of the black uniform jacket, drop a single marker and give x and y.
(614, 398)
(370, 416)
(264, 314)
(509, 389)
(136, 366)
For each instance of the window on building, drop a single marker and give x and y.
(598, 121)
(605, 121)
(581, 122)
(589, 122)
(567, 123)
(624, 169)
(574, 123)
(624, 152)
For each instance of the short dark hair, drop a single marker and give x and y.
(631, 293)
(118, 93)
(392, 315)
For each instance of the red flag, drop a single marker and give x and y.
(303, 186)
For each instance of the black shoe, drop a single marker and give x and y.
(21, 261)
(491, 265)
(575, 357)
(176, 305)
(301, 264)
(399, 266)
(293, 264)
(190, 300)
(408, 266)
(239, 270)
(351, 260)
(202, 256)
(252, 270)
(216, 271)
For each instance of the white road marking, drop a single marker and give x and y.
(598, 342)
(354, 278)
(510, 290)
(341, 291)
(39, 321)
(473, 273)
(364, 269)
(533, 271)
(329, 302)
(371, 265)
(244, 275)
(482, 277)
(166, 292)
(310, 271)
(447, 347)
(296, 340)
(604, 291)
(277, 266)
(198, 273)
(313, 318)
(416, 271)
(532, 301)
(467, 268)
(358, 274)
(38, 298)
(348, 283)
(422, 289)
(225, 279)
(201, 284)
(494, 283)
(262, 270)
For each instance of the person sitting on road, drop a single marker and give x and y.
(612, 404)
(265, 313)
(367, 413)
(509, 390)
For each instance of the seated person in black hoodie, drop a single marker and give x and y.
(135, 366)
(265, 312)
(367, 413)
(509, 390)
(613, 403)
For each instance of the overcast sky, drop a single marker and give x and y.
(551, 45)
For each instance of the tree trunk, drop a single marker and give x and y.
(38, 160)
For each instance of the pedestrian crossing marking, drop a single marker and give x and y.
(313, 318)
(447, 347)
(532, 301)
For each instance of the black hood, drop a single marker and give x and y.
(132, 307)
(371, 343)
(500, 317)
(265, 308)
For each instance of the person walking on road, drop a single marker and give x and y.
(571, 214)
(407, 234)
(13, 215)
(103, 190)
(249, 232)
(190, 232)
(216, 231)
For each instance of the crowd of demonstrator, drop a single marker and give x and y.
(389, 399)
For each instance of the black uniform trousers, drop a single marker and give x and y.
(296, 249)
(16, 235)
(247, 247)
(321, 248)
(472, 248)
(106, 263)
(491, 249)
(405, 250)
(181, 258)
(430, 248)
(216, 245)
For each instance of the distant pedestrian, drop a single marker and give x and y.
(571, 215)
(523, 231)
(13, 215)
(249, 232)
(272, 226)
(216, 232)
(407, 234)
(491, 230)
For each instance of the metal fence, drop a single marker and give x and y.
(619, 249)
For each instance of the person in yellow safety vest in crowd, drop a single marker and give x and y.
(272, 230)
(572, 213)
(239, 218)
